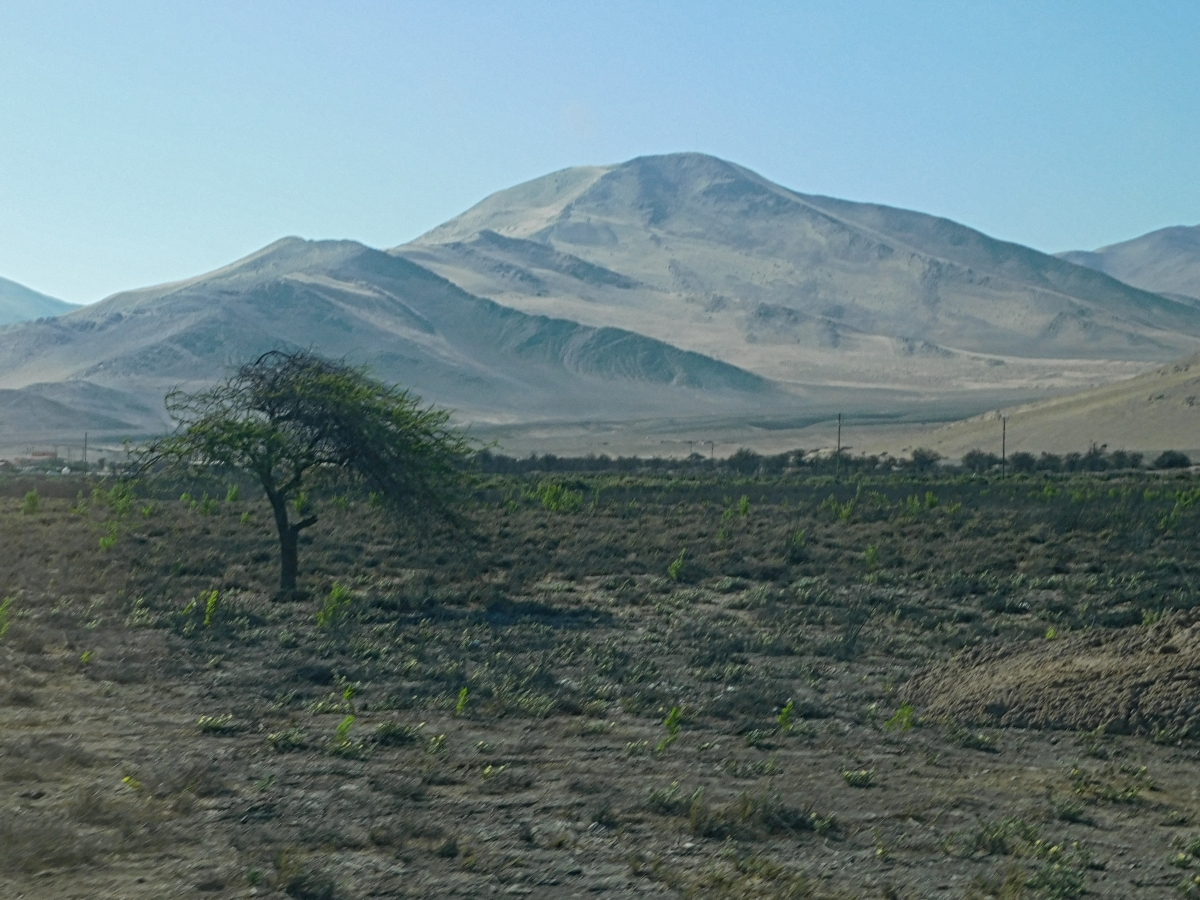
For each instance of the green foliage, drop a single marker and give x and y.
(215, 724)
(210, 607)
(294, 420)
(744, 506)
(233, 495)
(334, 610)
(5, 611)
(287, 740)
(31, 504)
(1112, 784)
(785, 716)
(110, 538)
(557, 498)
(461, 706)
(201, 613)
(676, 567)
(901, 719)
(859, 778)
(1003, 837)
(671, 723)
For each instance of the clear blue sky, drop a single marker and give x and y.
(144, 142)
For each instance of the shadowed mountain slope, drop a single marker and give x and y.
(811, 290)
(492, 363)
(1166, 261)
(20, 304)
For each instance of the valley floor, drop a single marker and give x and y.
(616, 687)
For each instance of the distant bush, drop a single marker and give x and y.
(1022, 462)
(924, 460)
(979, 462)
(1172, 459)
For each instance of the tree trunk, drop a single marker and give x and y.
(289, 541)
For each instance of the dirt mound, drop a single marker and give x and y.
(1135, 681)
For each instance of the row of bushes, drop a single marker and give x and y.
(814, 462)
(1097, 459)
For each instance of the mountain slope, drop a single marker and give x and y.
(410, 326)
(1159, 410)
(20, 304)
(1166, 261)
(810, 290)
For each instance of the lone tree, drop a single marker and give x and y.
(294, 419)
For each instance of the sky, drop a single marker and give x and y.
(148, 142)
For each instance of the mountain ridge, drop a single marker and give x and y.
(346, 300)
(802, 289)
(20, 304)
(1166, 261)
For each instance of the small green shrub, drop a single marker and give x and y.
(901, 719)
(676, 567)
(556, 498)
(671, 723)
(5, 608)
(288, 740)
(233, 495)
(334, 610)
(31, 504)
(110, 538)
(211, 601)
(461, 706)
(859, 778)
(785, 716)
(215, 724)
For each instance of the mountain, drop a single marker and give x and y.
(1166, 261)
(19, 304)
(654, 304)
(1159, 410)
(802, 289)
(118, 358)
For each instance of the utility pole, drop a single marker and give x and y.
(1003, 447)
(837, 458)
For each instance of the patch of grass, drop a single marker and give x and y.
(1112, 784)
(859, 778)
(288, 740)
(901, 719)
(336, 607)
(5, 610)
(216, 724)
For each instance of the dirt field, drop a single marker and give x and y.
(615, 687)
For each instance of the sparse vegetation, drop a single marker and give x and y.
(518, 681)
